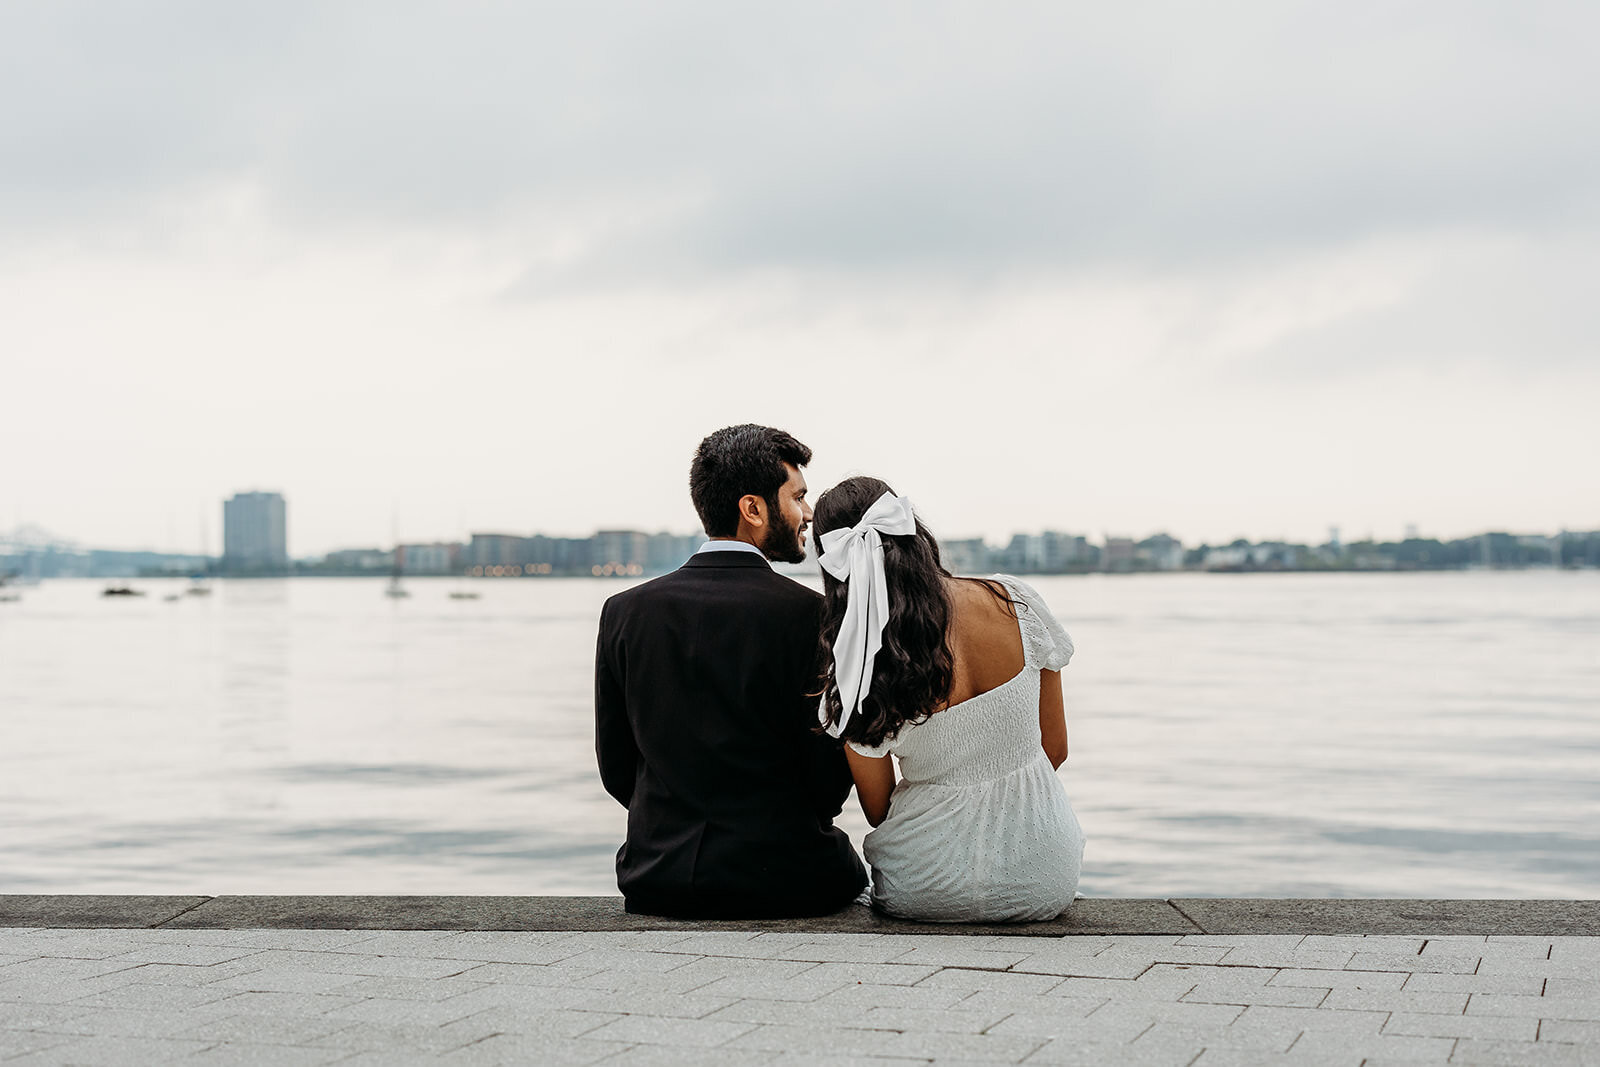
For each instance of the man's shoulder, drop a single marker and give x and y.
(636, 594)
(785, 586)
(767, 583)
(760, 583)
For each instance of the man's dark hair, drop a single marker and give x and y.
(737, 461)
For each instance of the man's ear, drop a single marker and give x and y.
(753, 509)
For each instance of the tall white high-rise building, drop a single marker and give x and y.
(255, 533)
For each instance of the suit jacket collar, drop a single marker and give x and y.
(728, 559)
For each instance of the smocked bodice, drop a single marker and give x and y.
(986, 737)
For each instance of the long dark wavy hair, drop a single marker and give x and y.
(914, 670)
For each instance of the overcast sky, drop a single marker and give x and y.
(1218, 269)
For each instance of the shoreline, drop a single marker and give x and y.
(385, 576)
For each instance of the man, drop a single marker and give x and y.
(703, 725)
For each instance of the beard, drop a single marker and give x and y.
(782, 542)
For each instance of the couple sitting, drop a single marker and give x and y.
(710, 731)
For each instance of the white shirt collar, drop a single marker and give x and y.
(729, 546)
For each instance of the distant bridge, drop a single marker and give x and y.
(28, 538)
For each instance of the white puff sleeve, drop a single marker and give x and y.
(882, 749)
(1046, 644)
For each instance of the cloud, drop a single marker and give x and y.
(827, 136)
(1217, 264)
(1515, 305)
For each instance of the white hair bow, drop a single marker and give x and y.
(855, 555)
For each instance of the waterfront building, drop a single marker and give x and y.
(1227, 557)
(1119, 554)
(1067, 552)
(970, 556)
(374, 560)
(1050, 552)
(540, 555)
(1024, 555)
(557, 555)
(1160, 552)
(438, 557)
(496, 550)
(619, 552)
(1274, 555)
(255, 533)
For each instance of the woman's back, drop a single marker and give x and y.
(985, 640)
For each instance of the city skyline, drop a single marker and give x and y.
(1056, 265)
(39, 537)
(176, 542)
(635, 553)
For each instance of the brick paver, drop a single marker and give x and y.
(285, 997)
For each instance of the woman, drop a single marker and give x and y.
(957, 679)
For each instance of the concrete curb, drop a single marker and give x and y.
(1231, 915)
(89, 912)
(1089, 915)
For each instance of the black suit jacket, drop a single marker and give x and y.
(704, 731)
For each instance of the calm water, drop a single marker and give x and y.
(1407, 735)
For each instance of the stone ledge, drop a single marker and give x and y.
(1247, 915)
(1090, 915)
(1101, 916)
(89, 912)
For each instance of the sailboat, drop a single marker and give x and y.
(198, 586)
(461, 592)
(395, 589)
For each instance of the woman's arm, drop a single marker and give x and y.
(1052, 719)
(874, 777)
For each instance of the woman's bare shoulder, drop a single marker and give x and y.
(981, 611)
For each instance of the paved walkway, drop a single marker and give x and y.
(796, 996)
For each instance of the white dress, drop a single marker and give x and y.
(979, 827)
